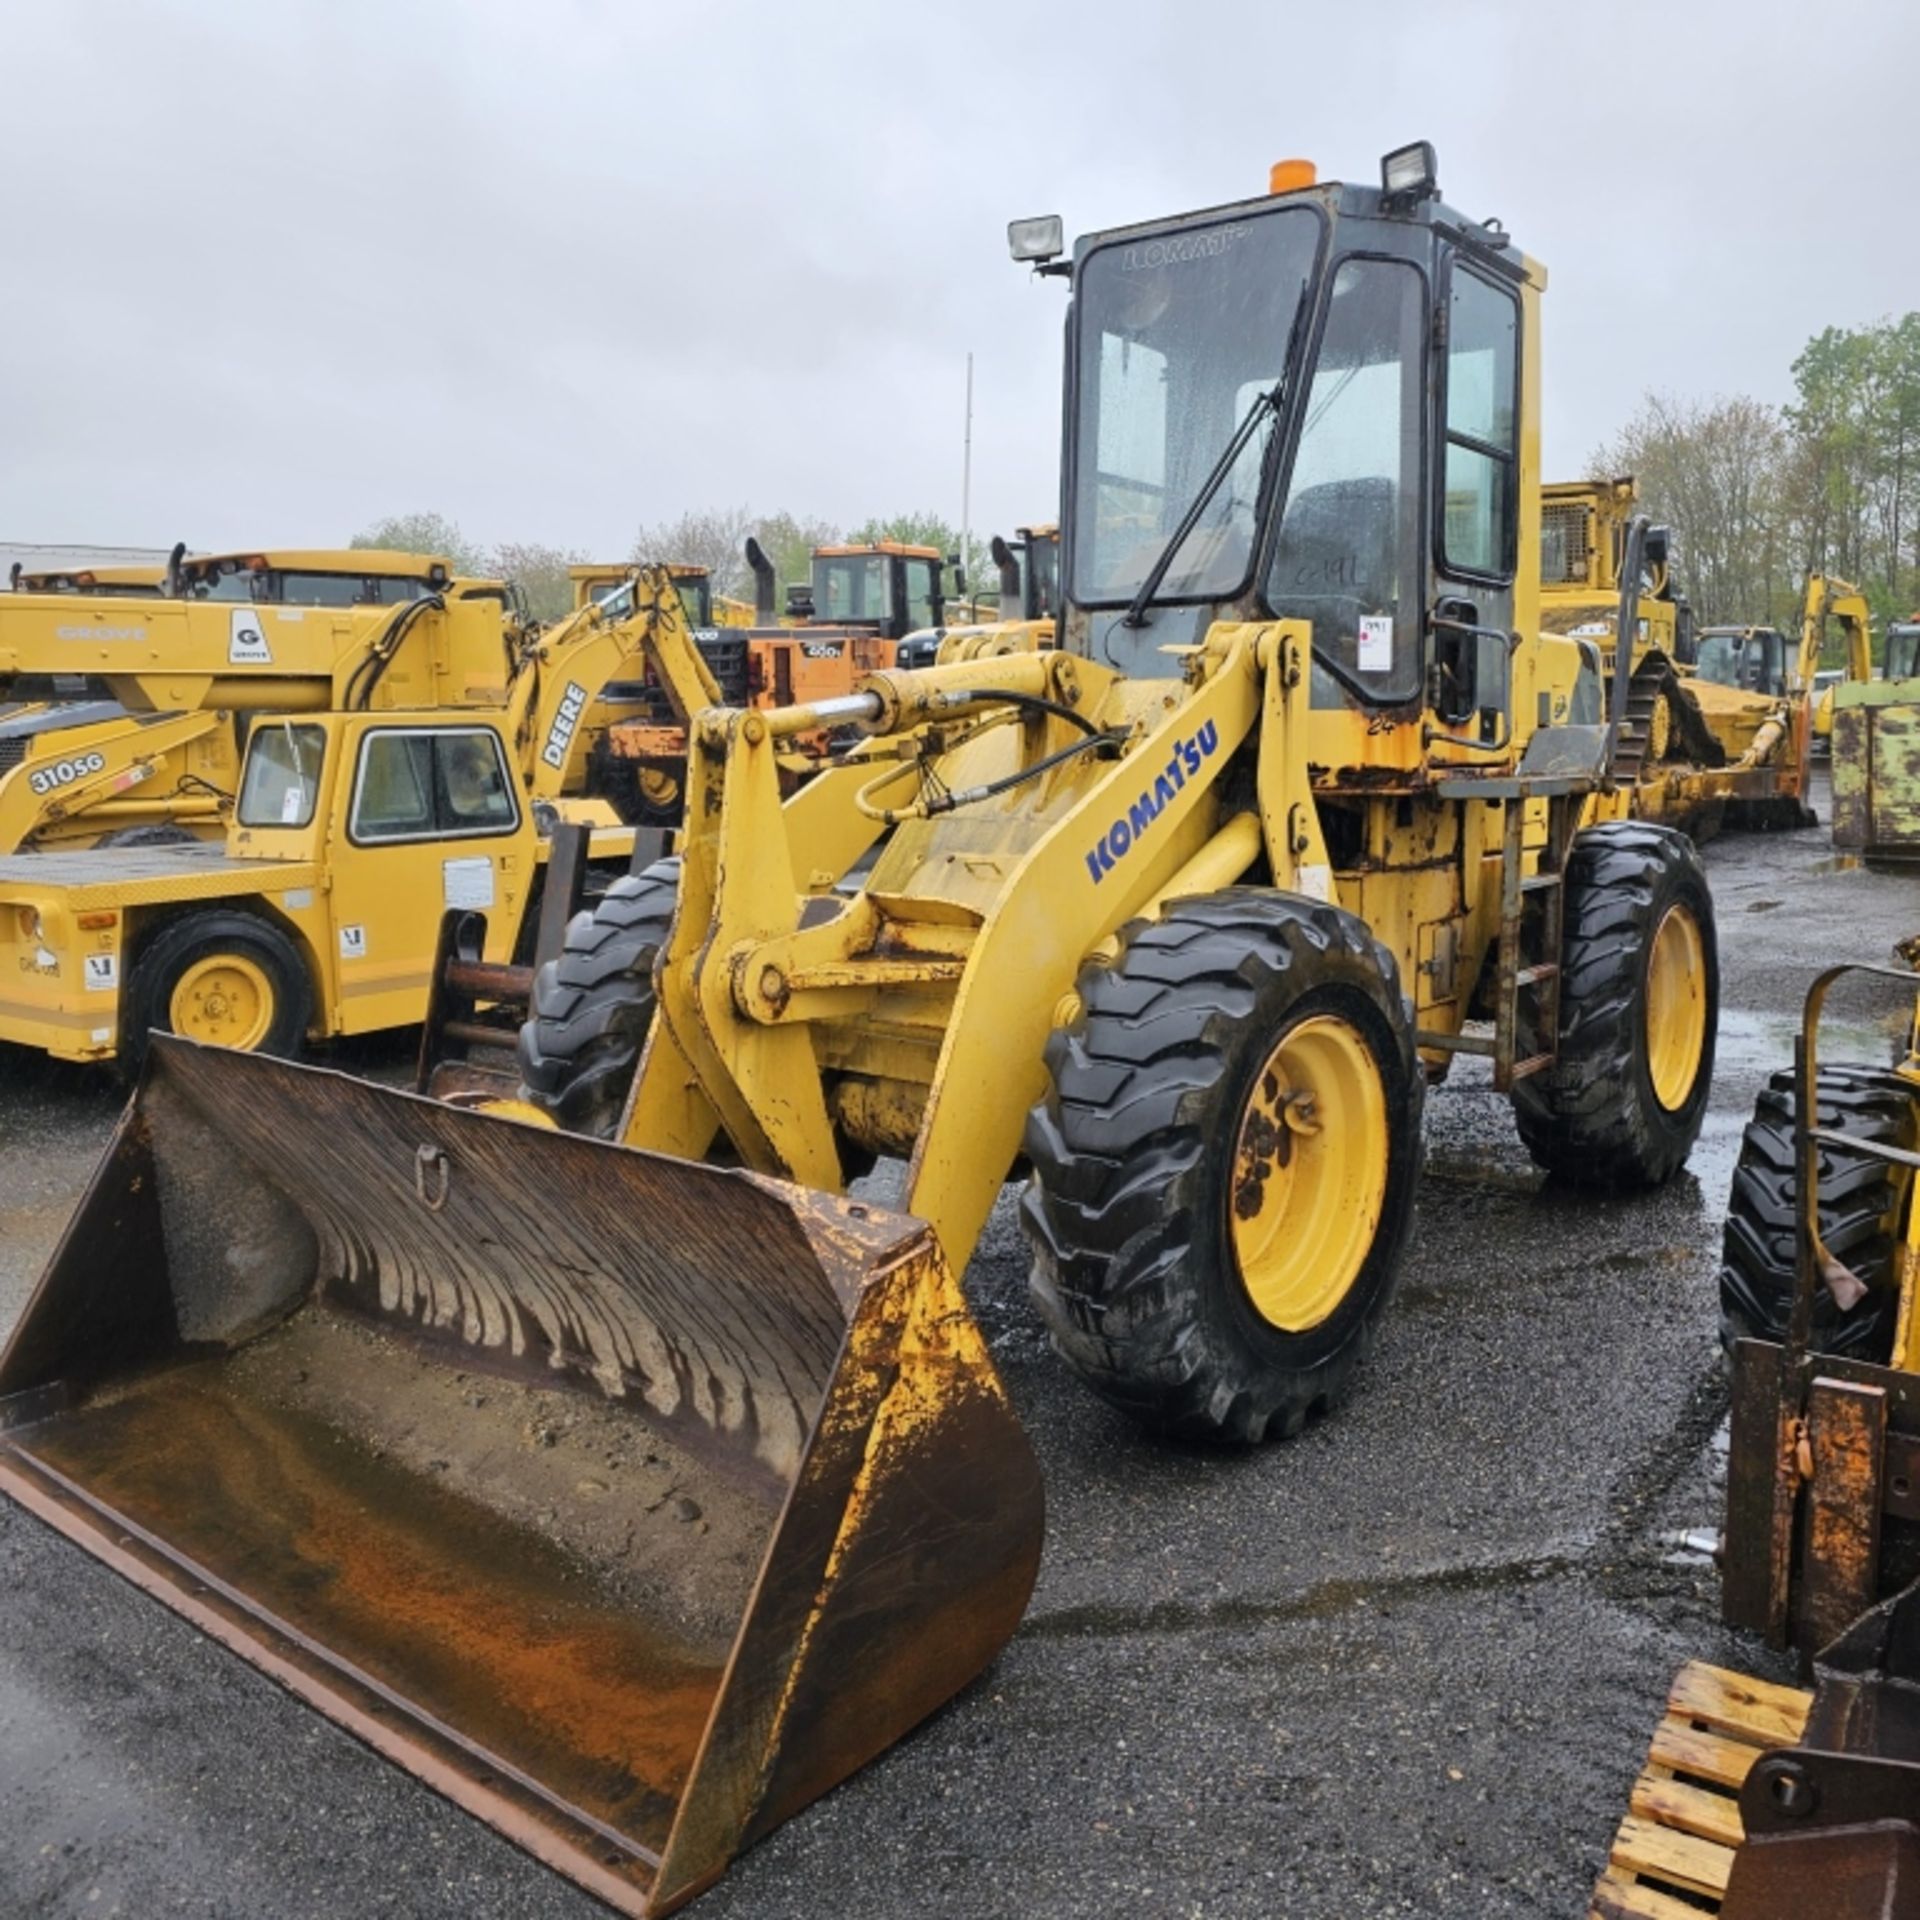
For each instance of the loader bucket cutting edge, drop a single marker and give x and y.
(629, 1503)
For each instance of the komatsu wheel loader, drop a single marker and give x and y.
(400, 761)
(1177, 917)
(93, 770)
(1769, 1802)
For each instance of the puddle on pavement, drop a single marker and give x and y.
(1839, 863)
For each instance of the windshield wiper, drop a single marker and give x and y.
(1263, 403)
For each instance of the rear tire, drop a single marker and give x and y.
(1201, 1261)
(227, 978)
(1639, 1004)
(593, 1004)
(1858, 1195)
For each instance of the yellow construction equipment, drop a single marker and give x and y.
(639, 757)
(1756, 690)
(1718, 720)
(1179, 913)
(1876, 753)
(1761, 1802)
(417, 762)
(126, 580)
(1029, 570)
(137, 771)
(704, 608)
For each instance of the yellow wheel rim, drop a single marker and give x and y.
(1676, 1007)
(225, 999)
(1309, 1179)
(658, 788)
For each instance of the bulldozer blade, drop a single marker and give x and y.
(629, 1503)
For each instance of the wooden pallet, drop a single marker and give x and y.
(1674, 1850)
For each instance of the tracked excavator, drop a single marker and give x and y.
(1175, 918)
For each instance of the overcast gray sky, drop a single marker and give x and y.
(553, 270)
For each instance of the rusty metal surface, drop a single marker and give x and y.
(1833, 1822)
(630, 1503)
(1783, 1479)
(1846, 1430)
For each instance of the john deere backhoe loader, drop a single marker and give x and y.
(1174, 915)
(842, 623)
(401, 761)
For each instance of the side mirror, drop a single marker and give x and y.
(1492, 690)
(1474, 669)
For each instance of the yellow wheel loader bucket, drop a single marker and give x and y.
(629, 1503)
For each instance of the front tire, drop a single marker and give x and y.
(1859, 1196)
(593, 1004)
(1639, 1004)
(226, 979)
(1224, 1166)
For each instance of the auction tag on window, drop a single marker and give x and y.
(102, 972)
(1376, 643)
(466, 883)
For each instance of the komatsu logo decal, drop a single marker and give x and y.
(573, 703)
(1126, 833)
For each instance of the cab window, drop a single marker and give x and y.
(920, 593)
(438, 784)
(852, 589)
(1483, 416)
(696, 600)
(1348, 554)
(282, 780)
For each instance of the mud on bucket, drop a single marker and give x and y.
(629, 1503)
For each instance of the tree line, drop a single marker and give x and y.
(715, 539)
(1759, 497)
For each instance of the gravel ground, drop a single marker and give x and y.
(1408, 1664)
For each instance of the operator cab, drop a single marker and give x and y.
(1902, 660)
(1029, 566)
(887, 587)
(1748, 659)
(594, 582)
(1251, 432)
(362, 577)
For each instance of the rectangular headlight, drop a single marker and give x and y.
(1410, 173)
(1041, 238)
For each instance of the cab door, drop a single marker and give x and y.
(429, 817)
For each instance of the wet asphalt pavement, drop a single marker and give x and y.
(1407, 1664)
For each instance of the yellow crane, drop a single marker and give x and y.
(401, 761)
